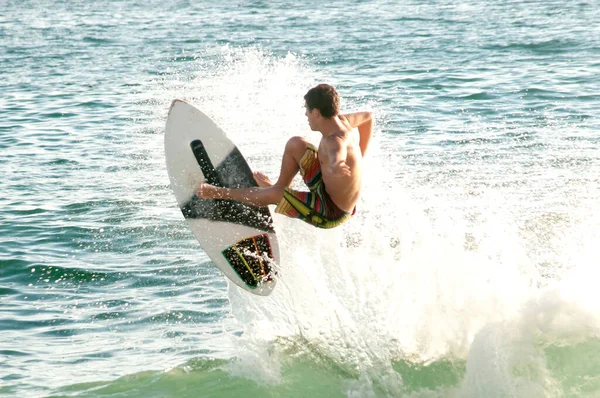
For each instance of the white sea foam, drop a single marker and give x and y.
(405, 279)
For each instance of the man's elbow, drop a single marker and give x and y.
(367, 122)
(367, 119)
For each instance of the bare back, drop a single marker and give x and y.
(344, 190)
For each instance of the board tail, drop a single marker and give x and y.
(252, 259)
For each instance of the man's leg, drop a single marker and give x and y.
(252, 196)
(290, 164)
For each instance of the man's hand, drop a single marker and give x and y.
(340, 169)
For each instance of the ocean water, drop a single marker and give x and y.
(470, 270)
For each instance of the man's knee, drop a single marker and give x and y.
(296, 145)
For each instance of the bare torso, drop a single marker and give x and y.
(344, 190)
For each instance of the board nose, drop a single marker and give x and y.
(176, 100)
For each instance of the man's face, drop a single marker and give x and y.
(312, 117)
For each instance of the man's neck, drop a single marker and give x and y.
(330, 127)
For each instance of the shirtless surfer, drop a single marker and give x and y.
(332, 173)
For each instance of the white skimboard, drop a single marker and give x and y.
(239, 239)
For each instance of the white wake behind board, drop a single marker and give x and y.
(239, 239)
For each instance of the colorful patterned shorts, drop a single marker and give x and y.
(314, 207)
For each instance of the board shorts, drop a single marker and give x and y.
(314, 207)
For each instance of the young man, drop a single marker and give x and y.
(332, 173)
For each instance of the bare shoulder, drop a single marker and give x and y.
(345, 121)
(355, 119)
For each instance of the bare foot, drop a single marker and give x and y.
(262, 180)
(207, 191)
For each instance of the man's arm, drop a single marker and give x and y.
(364, 122)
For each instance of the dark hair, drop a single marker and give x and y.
(324, 98)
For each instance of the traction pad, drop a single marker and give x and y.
(252, 259)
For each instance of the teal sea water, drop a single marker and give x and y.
(470, 270)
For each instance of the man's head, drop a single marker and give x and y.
(321, 101)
